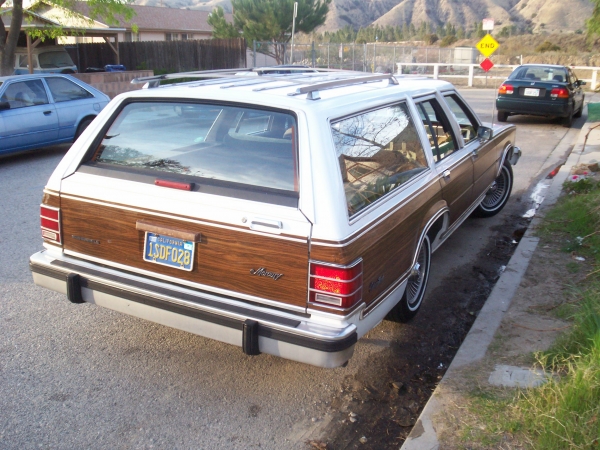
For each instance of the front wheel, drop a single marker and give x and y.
(580, 110)
(411, 300)
(498, 193)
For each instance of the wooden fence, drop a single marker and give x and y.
(164, 56)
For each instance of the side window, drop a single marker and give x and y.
(377, 152)
(467, 122)
(572, 77)
(438, 129)
(25, 93)
(64, 90)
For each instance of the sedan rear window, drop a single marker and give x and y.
(540, 73)
(212, 142)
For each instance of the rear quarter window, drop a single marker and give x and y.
(206, 141)
(378, 151)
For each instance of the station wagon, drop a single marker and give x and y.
(285, 213)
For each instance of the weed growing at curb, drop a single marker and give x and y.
(565, 411)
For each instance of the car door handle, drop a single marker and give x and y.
(266, 225)
(446, 174)
(47, 113)
(274, 224)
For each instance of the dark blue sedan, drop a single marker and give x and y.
(543, 90)
(45, 109)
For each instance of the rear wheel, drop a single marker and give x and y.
(82, 126)
(502, 116)
(416, 284)
(498, 193)
(568, 120)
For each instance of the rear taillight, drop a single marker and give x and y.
(506, 89)
(333, 285)
(50, 223)
(559, 93)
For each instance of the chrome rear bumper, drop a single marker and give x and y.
(256, 328)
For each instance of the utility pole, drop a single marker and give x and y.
(293, 30)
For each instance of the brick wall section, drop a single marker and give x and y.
(114, 83)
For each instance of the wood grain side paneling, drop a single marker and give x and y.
(388, 248)
(51, 199)
(223, 259)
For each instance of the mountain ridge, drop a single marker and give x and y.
(537, 15)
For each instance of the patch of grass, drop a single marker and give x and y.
(576, 218)
(564, 412)
(572, 267)
(593, 112)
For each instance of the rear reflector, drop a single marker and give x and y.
(50, 223)
(559, 93)
(506, 89)
(339, 286)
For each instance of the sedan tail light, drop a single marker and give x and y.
(505, 89)
(50, 223)
(334, 285)
(559, 93)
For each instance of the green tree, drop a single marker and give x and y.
(109, 11)
(270, 21)
(221, 28)
(593, 23)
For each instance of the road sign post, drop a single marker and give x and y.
(486, 46)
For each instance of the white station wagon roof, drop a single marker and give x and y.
(258, 86)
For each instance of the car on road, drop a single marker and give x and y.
(288, 213)
(541, 90)
(45, 109)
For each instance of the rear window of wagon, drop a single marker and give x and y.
(209, 142)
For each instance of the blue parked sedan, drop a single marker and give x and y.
(45, 109)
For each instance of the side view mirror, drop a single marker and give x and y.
(4, 106)
(582, 83)
(484, 133)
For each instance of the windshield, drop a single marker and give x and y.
(225, 143)
(54, 59)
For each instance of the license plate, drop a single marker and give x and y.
(169, 251)
(530, 92)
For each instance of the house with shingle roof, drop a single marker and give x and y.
(153, 23)
(167, 24)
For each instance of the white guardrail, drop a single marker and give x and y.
(437, 73)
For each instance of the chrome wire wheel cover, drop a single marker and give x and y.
(498, 192)
(415, 285)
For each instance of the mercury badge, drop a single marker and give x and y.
(262, 272)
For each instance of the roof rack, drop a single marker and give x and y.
(312, 90)
(271, 73)
(154, 81)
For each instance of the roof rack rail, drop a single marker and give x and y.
(312, 91)
(154, 81)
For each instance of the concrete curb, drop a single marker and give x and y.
(423, 435)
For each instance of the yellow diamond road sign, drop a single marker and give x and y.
(487, 45)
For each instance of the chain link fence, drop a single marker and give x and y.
(371, 57)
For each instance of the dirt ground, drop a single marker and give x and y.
(377, 407)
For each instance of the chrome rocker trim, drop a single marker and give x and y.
(256, 329)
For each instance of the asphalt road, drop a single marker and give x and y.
(77, 376)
